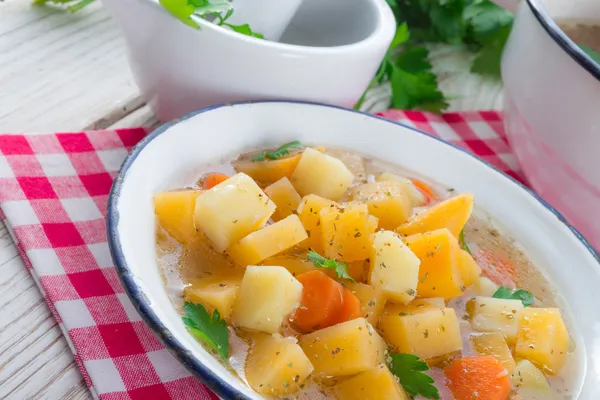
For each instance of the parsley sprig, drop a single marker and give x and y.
(462, 242)
(282, 151)
(410, 371)
(340, 268)
(505, 293)
(211, 330)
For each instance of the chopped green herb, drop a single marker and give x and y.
(595, 55)
(282, 151)
(212, 331)
(340, 268)
(71, 5)
(505, 293)
(410, 371)
(463, 244)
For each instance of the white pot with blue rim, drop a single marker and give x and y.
(552, 107)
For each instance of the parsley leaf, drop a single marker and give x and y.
(340, 268)
(71, 5)
(463, 244)
(282, 151)
(595, 56)
(409, 370)
(505, 293)
(212, 331)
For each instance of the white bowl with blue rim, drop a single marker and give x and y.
(176, 153)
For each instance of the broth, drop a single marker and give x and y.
(585, 33)
(182, 264)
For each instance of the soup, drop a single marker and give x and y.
(584, 33)
(318, 273)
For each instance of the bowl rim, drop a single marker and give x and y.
(385, 26)
(137, 296)
(562, 39)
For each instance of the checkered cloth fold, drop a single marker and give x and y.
(53, 196)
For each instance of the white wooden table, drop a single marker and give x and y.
(62, 72)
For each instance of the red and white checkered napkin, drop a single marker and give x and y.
(53, 195)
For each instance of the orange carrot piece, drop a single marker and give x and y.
(350, 307)
(484, 375)
(213, 179)
(497, 268)
(424, 188)
(321, 302)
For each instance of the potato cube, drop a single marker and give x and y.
(320, 174)
(371, 300)
(295, 264)
(214, 294)
(451, 214)
(394, 268)
(387, 200)
(528, 376)
(375, 384)
(344, 349)
(175, 213)
(285, 197)
(496, 315)
(268, 171)
(231, 210)
(439, 274)
(416, 306)
(276, 365)
(309, 213)
(416, 197)
(345, 232)
(268, 241)
(484, 287)
(494, 344)
(267, 295)
(429, 332)
(469, 270)
(542, 338)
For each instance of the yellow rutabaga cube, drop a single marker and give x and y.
(496, 315)
(214, 294)
(371, 300)
(394, 268)
(375, 384)
(416, 197)
(309, 213)
(451, 214)
(439, 272)
(285, 197)
(231, 210)
(175, 213)
(296, 265)
(527, 376)
(542, 338)
(344, 349)
(469, 270)
(345, 232)
(494, 344)
(320, 174)
(268, 241)
(267, 295)
(276, 365)
(268, 171)
(386, 200)
(426, 331)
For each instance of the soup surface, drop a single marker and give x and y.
(586, 33)
(318, 273)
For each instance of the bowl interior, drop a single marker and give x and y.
(177, 153)
(331, 23)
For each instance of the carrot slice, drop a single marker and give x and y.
(484, 375)
(213, 179)
(321, 302)
(497, 268)
(350, 307)
(424, 188)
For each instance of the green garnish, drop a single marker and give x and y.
(505, 293)
(212, 331)
(463, 244)
(340, 268)
(410, 371)
(595, 55)
(282, 151)
(71, 5)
